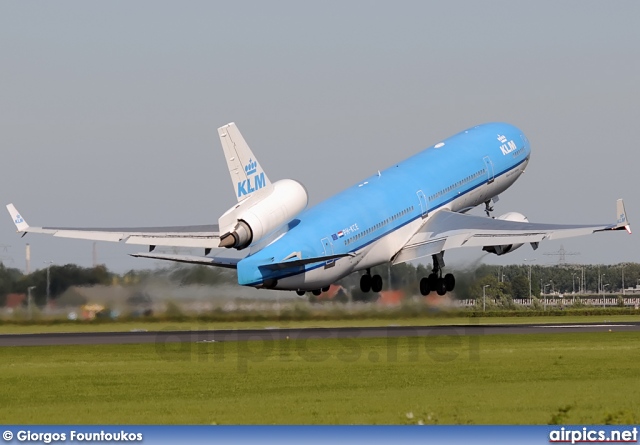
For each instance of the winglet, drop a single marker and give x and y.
(18, 220)
(246, 173)
(621, 215)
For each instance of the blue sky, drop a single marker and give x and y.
(109, 110)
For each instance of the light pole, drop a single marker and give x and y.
(484, 297)
(530, 260)
(545, 296)
(602, 284)
(48, 263)
(604, 300)
(29, 289)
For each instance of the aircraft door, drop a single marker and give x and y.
(328, 250)
(489, 166)
(423, 203)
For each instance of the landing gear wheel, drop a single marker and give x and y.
(433, 282)
(376, 283)
(365, 283)
(316, 292)
(325, 289)
(424, 287)
(449, 282)
(442, 288)
(300, 292)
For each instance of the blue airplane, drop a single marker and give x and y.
(411, 210)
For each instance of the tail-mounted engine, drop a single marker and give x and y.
(501, 250)
(257, 216)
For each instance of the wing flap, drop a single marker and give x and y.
(172, 240)
(419, 250)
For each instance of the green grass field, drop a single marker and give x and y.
(157, 325)
(511, 379)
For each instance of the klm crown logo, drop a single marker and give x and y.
(251, 167)
(18, 219)
(251, 184)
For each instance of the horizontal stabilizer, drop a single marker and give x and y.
(303, 262)
(229, 263)
(207, 236)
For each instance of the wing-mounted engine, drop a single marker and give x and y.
(501, 250)
(258, 216)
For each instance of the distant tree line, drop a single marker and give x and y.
(62, 277)
(503, 281)
(511, 281)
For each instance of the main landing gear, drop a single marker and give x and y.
(488, 208)
(435, 281)
(370, 283)
(488, 205)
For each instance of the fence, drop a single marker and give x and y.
(562, 302)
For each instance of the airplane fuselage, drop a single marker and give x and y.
(372, 220)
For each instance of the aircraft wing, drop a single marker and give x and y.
(206, 236)
(448, 230)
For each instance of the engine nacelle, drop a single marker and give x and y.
(501, 250)
(251, 220)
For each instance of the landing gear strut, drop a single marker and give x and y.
(370, 283)
(488, 208)
(488, 205)
(435, 281)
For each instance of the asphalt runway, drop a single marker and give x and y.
(266, 334)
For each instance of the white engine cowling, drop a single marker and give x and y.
(251, 220)
(501, 250)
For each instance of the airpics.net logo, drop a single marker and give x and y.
(591, 435)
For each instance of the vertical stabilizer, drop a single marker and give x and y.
(247, 175)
